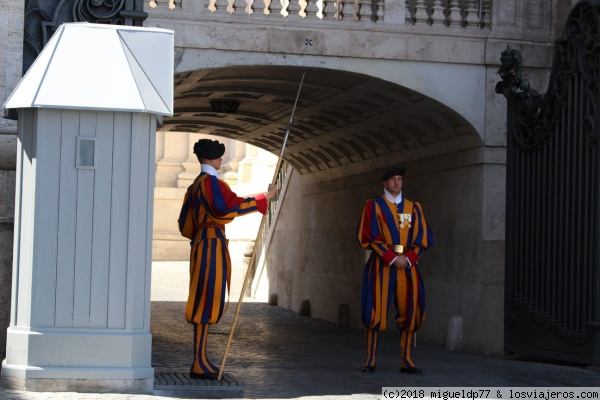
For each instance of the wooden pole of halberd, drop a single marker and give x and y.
(260, 229)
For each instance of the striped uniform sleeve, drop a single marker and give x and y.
(371, 234)
(223, 205)
(187, 222)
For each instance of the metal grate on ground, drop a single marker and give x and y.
(181, 384)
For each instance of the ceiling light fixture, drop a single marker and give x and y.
(224, 106)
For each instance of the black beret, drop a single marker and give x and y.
(209, 149)
(393, 172)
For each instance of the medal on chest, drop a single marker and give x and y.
(404, 220)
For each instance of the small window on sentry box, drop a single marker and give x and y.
(86, 148)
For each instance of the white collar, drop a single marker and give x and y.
(391, 198)
(209, 169)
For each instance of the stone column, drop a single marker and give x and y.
(245, 165)
(190, 165)
(174, 149)
(235, 153)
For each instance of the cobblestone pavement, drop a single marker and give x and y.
(281, 355)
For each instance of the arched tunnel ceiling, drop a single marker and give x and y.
(341, 118)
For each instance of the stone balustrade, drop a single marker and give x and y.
(453, 14)
(469, 14)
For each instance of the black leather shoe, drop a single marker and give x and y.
(367, 369)
(411, 370)
(212, 376)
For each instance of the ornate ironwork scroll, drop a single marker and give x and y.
(528, 128)
(553, 198)
(43, 17)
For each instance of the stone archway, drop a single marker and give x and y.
(348, 127)
(344, 121)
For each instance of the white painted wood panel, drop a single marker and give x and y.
(65, 274)
(83, 248)
(24, 221)
(101, 222)
(151, 173)
(119, 238)
(137, 214)
(95, 261)
(46, 235)
(83, 234)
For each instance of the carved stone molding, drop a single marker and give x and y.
(43, 17)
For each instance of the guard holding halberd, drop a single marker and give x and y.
(209, 205)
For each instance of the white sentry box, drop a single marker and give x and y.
(87, 109)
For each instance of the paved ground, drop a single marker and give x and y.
(280, 355)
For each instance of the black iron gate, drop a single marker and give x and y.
(552, 216)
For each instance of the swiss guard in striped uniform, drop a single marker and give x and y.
(395, 230)
(208, 205)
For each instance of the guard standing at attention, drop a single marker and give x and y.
(395, 230)
(208, 205)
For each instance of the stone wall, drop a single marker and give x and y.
(7, 200)
(7, 211)
(11, 24)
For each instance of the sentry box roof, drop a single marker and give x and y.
(101, 67)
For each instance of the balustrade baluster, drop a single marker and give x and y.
(303, 5)
(486, 18)
(357, 6)
(248, 8)
(374, 10)
(320, 7)
(421, 12)
(454, 17)
(437, 13)
(266, 10)
(472, 13)
(409, 14)
(211, 5)
(230, 6)
(339, 6)
(284, 7)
